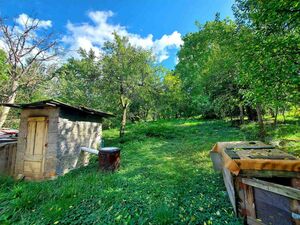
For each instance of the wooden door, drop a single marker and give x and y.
(37, 134)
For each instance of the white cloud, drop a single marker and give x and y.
(176, 61)
(94, 35)
(18, 30)
(23, 18)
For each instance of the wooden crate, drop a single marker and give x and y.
(263, 202)
(261, 196)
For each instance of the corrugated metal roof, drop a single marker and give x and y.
(55, 103)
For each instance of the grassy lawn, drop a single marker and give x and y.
(166, 177)
(286, 135)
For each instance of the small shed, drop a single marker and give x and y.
(50, 136)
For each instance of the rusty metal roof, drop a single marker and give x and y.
(55, 103)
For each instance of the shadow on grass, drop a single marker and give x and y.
(285, 136)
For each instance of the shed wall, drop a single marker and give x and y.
(71, 136)
(51, 147)
(7, 158)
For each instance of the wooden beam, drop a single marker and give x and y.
(217, 160)
(269, 173)
(275, 188)
(249, 201)
(251, 147)
(228, 181)
(295, 205)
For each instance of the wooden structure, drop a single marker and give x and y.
(263, 183)
(7, 157)
(50, 136)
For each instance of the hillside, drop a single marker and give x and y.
(166, 176)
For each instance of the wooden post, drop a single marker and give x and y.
(295, 204)
(249, 201)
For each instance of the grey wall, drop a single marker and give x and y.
(71, 136)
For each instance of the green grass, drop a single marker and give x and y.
(286, 135)
(166, 177)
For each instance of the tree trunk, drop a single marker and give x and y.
(251, 113)
(123, 121)
(11, 99)
(283, 114)
(241, 113)
(262, 131)
(272, 113)
(147, 114)
(275, 116)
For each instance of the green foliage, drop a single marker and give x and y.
(170, 102)
(227, 66)
(286, 135)
(162, 180)
(76, 81)
(4, 76)
(129, 78)
(124, 77)
(208, 69)
(165, 177)
(3, 70)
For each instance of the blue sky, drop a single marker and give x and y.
(155, 24)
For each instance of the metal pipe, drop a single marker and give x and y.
(90, 150)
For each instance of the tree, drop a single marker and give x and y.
(76, 81)
(3, 71)
(28, 51)
(125, 69)
(270, 53)
(252, 63)
(171, 103)
(208, 67)
(145, 103)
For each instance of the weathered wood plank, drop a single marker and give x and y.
(275, 188)
(253, 221)
(268, 173)
(34, 156)
(240, 195)
(249, 201)
(295, 204)
(217, 161)
(39, 138)
(7, 158)
(228, 180)
(37, 119)
(30, 137)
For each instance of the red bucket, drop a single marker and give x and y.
(109, 158)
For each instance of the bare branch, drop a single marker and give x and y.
(27, 51)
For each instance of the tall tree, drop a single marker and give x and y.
(208, 67)
(270, 53)
(27, 50)
(76, 81)
(125, 69)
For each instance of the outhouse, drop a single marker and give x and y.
(50, 136)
